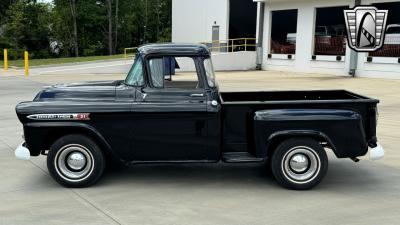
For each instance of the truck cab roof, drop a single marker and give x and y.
(174, 49)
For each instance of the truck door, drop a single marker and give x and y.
(172, 112)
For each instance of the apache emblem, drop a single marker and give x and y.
(66, 116)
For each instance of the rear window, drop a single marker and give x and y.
(209, 72)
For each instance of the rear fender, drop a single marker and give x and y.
(342, 130)
(276, 138)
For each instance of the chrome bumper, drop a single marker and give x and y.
(376, 153)
(22, 152)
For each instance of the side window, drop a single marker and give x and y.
(157, 72)
(174, 72)
(135, 75)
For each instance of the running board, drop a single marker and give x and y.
(239, 157)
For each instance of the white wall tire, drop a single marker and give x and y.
(75, 161)
(299, 163)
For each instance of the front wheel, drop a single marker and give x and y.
(75, 161)
(299, 163)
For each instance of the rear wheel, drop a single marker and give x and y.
(299, 163)
(75, 161)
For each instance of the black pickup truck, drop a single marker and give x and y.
(169, 109)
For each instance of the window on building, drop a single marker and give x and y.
(174, 72)
(330, 31)
(242, 24)
(283, 32)
(391, 46)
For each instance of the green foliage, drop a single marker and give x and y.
(28, 27)
(4, 4)
(46, 30)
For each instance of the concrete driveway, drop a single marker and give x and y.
(352, 193)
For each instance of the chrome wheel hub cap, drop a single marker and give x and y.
(74, 162)
(301, 164)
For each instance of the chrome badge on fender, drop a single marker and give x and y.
(66, 116)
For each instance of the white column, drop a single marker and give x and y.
(260, 34)
(305, 37)
(266, 35)
(351, 55)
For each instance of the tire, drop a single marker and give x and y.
(299, 163)
(75, 161)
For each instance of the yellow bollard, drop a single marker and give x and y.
(26, 63)
(5, 59)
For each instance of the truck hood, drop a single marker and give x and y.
(92, 91)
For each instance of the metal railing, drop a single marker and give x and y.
(232, 45)
(127, 50)
(229, 45)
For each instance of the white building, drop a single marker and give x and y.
(193, 19)
(296, 35)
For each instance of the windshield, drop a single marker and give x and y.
(135, 75)
(208, 66)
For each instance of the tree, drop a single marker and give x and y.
(4, 5)
(27, 27)
(90, 29)
(116, 24)
(83, 27)
(110, 28)
(72, 5)
(159, 28)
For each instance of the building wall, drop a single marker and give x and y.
(237, 61)
(302, 61)
(388, 68)
(192, 20)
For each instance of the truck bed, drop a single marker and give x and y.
(277, 96)
(239, 109)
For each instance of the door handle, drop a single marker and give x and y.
(197, 95)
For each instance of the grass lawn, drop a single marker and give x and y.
(40, 62)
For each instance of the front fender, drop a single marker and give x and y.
(40, 135)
